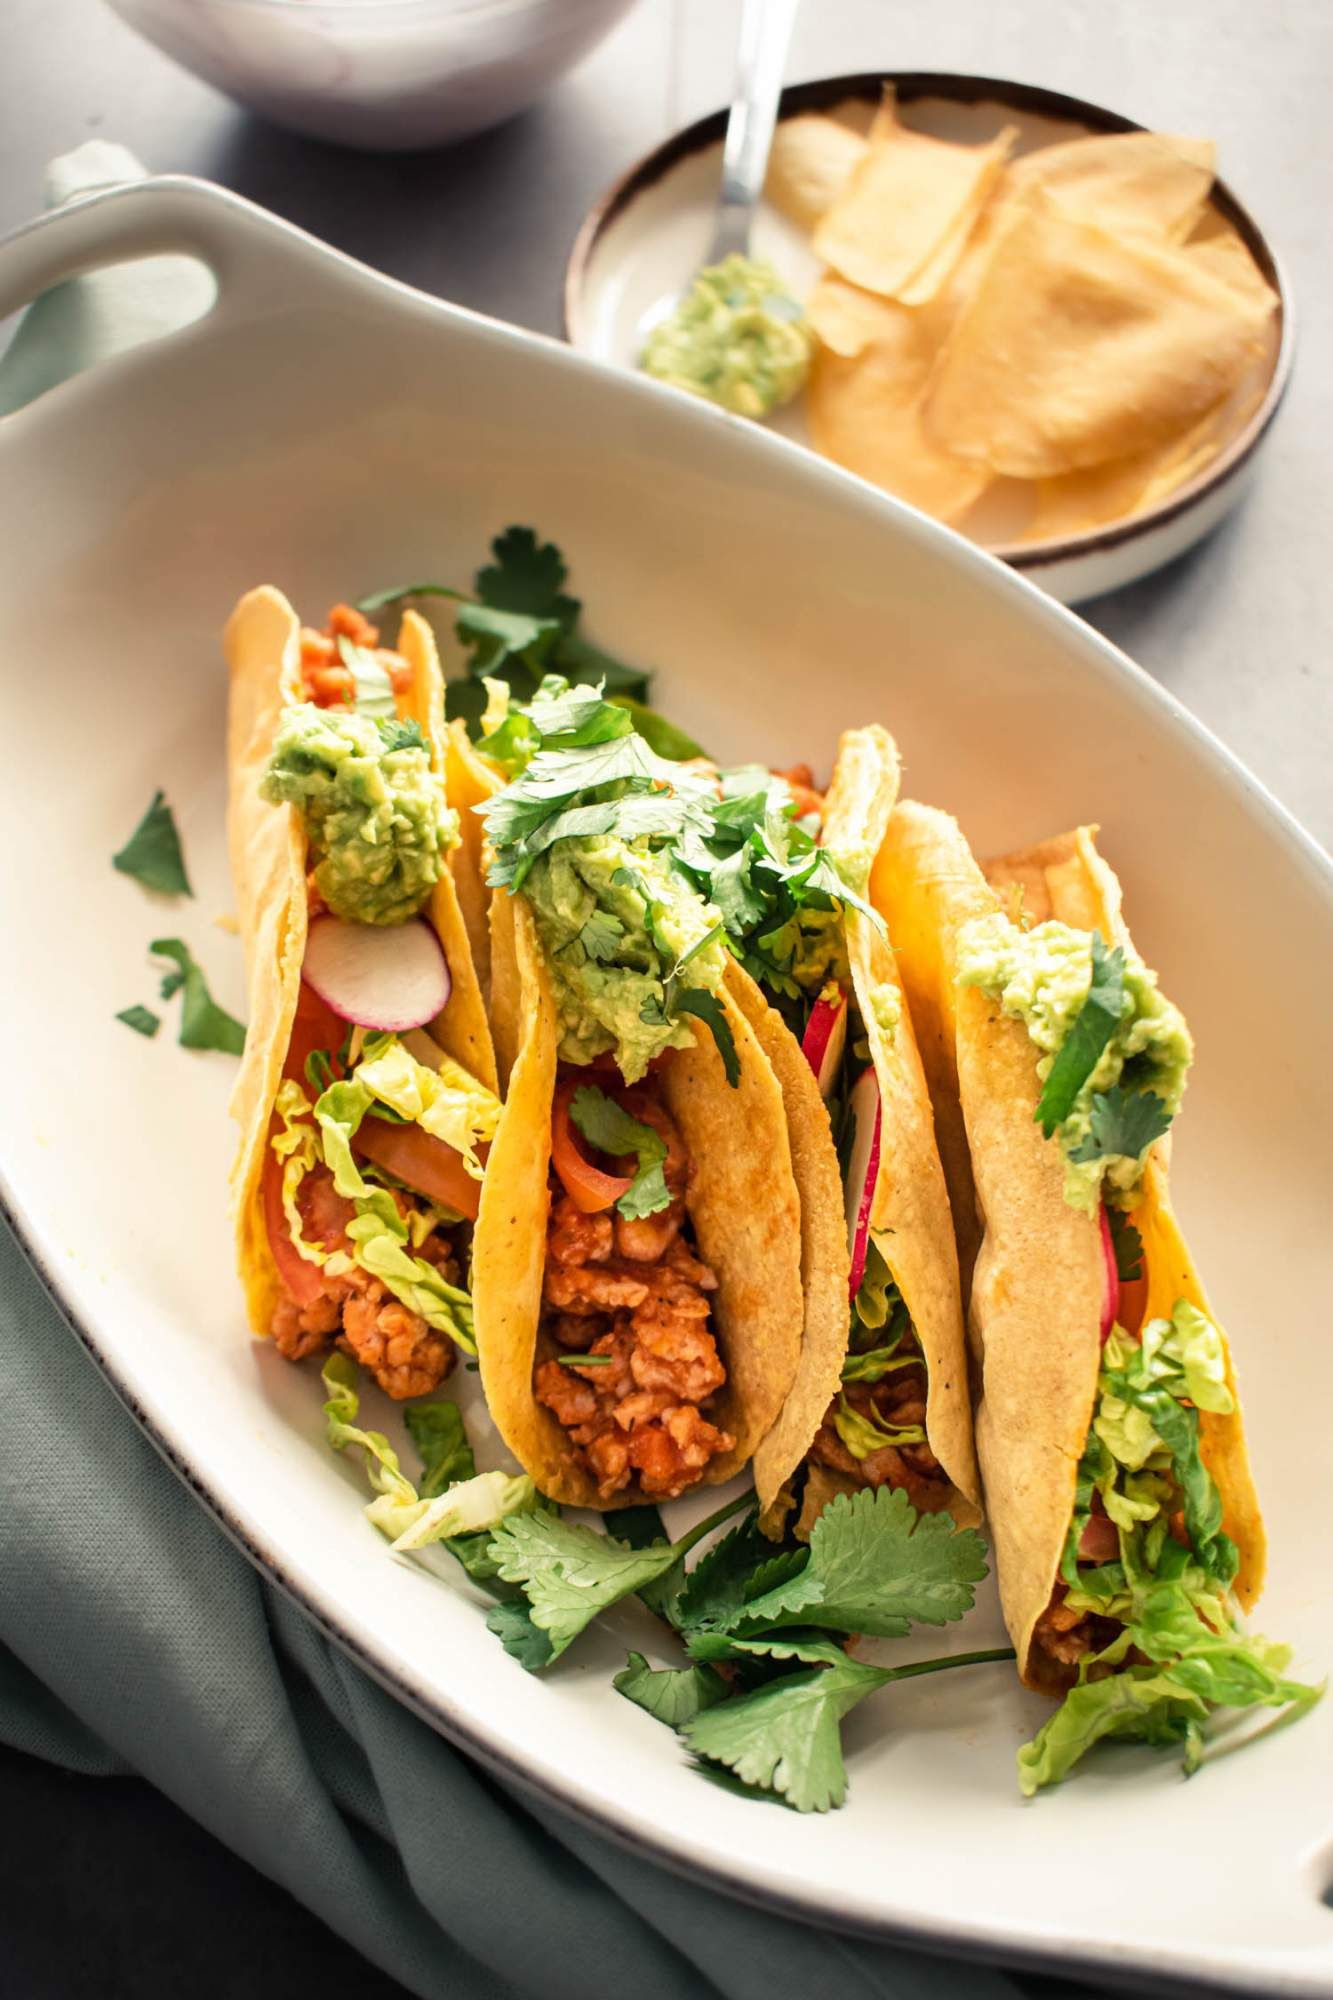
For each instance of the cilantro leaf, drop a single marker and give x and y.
(601, 936)
(1127, 1244)
(1123, 1123)
(522, 1638)
(744, 1564)
(152, 854)
(401, 735)
(706, 1007)
(608, 1127)
(1092, 1028)
(812, 1648)
(875, 1566)
(142, 1019)
(569, 1573)
(529, 576)
(675, 1695)
(438, 1432)
(204, 1025)
(786, 1736)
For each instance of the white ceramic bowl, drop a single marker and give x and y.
(649, 230)
(332, 432)
(386, 74)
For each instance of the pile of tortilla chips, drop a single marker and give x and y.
(1027, 346)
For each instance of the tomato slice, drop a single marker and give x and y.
(590, 1190)
(304, 1280)
(421, 1161)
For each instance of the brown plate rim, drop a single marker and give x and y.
(818, 94)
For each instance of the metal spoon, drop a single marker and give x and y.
(766, 27)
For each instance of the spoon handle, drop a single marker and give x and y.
(766, 27)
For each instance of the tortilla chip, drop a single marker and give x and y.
(1078, 348)
(907, 203)
(1223, 254)
(1068, 879)
(1129, 183)
(742, 1202)
(808, 166)
(864, 410)
(267, 843)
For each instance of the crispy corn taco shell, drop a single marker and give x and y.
(910, 1218)
(742, 1201)
(268, 864)
(1037, 1286)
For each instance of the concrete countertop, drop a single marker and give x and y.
(1240, 629)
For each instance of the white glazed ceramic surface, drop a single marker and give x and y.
(640, 246)
(331, 432)
(389, 74)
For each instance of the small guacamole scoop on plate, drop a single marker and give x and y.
(736, 337)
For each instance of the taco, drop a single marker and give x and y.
(880, 1396)
(637, 1276)
(364, 1120)
(1127, 1533)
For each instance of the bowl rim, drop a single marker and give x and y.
(820, 94)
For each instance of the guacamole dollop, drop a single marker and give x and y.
(736, 337)
(374, 811)
(1041, 977)
(614, 920)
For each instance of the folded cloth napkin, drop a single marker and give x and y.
(139, 1640)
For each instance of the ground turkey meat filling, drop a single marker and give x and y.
(896, 1402)
(356, 1312)
(633, 1291)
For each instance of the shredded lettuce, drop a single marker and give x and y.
(453, 1106)
(408, 1521)
(1171, 1598)
(448, 1103)
(862, 1433)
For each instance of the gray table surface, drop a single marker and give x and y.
(1240, 629)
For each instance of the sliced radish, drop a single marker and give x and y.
(825, 1040)
(862, 1171)
(1111, 1293)
(390, 976)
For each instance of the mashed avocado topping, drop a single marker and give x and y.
(614, 921)
(374, 811)
(1179, 1651)
(1114, 1051)
(736, 338)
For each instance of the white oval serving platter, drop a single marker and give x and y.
(641, 240)
(332, 432)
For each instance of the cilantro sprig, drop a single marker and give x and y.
(519, 625)
(1123, 1123)
(779, 893)
(203, 1024)
(768, 1679)
(610, 1128)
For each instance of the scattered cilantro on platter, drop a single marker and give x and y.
(152, 854)
(142, 1019)
(203, 1024)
